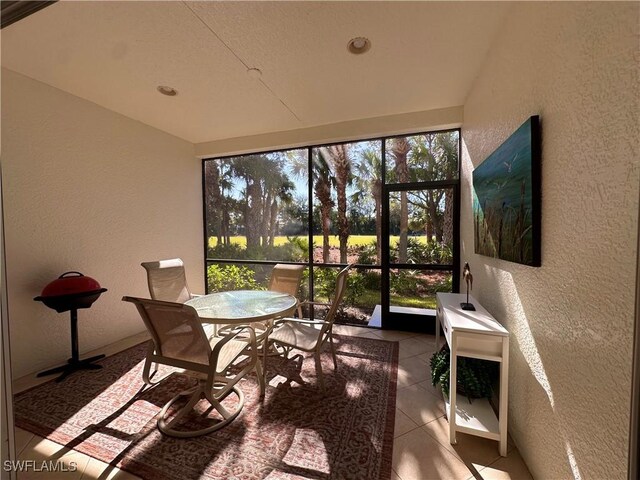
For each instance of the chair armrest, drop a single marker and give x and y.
(232, 333)
(322, 304)
(307, 321)
(307, 302)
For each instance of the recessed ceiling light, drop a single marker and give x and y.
(358, 45)
(254, 72)
(168, 91)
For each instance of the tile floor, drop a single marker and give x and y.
(421, 450)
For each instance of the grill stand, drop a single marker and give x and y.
(74, 363)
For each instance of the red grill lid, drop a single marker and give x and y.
(70, 283)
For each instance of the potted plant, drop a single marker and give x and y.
(475, 376)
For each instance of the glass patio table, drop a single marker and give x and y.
(243, 306)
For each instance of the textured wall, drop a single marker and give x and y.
(576, 65)
(87, 189)
(336, 132)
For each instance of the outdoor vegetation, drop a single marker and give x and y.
(259, 207)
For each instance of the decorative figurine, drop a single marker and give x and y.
(468, 278)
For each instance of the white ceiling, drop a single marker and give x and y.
(424, 56)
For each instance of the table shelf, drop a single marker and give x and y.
(476, 417)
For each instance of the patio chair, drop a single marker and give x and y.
(179, 340)
(310, 335)
(286, 279)
(167, 280)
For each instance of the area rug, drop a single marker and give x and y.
(296, 431)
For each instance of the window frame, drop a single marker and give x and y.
(310, 264)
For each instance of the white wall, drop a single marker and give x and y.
(350, 130)
(90, 190)
(576, 65)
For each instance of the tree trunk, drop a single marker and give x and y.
(214, 201)
(403, 244)
(266, 217)
(435, 220)
(226, 220)
(273, 224)
(252, 214)
(323, 193)
(447, 231)
(377, 195)
(400, 149)
(342, 171)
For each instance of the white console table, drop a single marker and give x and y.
(474, 334)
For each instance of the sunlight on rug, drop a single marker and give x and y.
(296, 431)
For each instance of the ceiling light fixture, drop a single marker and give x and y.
(168, 91)
(358, 45)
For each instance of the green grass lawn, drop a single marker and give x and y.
(334, 241)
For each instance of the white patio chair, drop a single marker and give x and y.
(179, 340)
(286, 278)
(167, 280)
(310, 335)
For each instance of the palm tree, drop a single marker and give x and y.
(369, 182)
(213, 200)
(339, 156)
(217, 181)
(447, 146)
(251, 168)
(436, 156)
(322, 183)
(276, 190)
(282, 196)
(322, 190)
(400, 147)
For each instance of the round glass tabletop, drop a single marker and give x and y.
(242, 305)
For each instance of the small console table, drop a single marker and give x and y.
(474, 334)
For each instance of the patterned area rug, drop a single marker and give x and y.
(295, 432)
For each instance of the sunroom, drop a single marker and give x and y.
(238, 136)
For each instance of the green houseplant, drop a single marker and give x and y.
(475, 377)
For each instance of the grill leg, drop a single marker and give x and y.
(74, 363)
(75, 357)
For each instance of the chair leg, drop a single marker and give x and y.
(333, 352)
(319, 370)
(166, 425)
(260, 373)
(147, 375)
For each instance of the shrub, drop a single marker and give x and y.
(370, 279)
(443, 285)
(355, 287)
(230, 250)
(367, 254)
(231, 277)
(403, 282)
(325, 284)
(324, 281)
(425, 252)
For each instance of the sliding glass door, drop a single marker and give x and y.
(420, 242)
